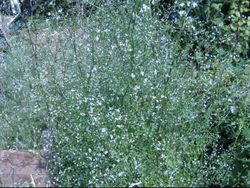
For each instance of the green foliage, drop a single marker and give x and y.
(125, 103)
(239, 27)
(220, 25)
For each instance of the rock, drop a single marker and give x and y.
(22, 169)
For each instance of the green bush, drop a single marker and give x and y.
(217, 24)
(126, 104)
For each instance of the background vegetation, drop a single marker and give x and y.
(132, 98)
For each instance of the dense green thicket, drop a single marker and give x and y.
(125, 100)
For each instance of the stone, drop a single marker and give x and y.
(23, 169)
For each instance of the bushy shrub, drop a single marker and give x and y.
(126, 105)
(224, 24)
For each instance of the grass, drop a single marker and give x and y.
(125, 105)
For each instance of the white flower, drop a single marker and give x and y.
(103, 130)
(182, 4)
(234, 109)
(136, 88)
(145, 8)
(136, 184)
